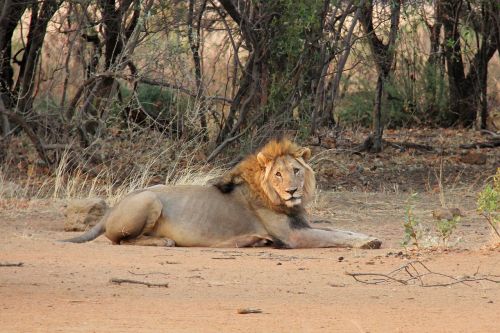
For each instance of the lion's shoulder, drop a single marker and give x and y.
(251, 171)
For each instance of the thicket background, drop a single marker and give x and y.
(109, 89)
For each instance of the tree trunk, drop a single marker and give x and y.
(11, 13)
(334, 86)
(383, 56)
(252, 90)
(456, 72)
(434, 68)
(38, 27)
(468, 94)
(194, 37)
(378, 127)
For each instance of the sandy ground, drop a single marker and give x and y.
(66, 287)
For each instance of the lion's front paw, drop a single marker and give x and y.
(371, 243)
(167, 242)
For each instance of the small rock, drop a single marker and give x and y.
(82, 214)
(443, 213)
(456, 212)
(474, 158)
(10, 189)
(249, 310)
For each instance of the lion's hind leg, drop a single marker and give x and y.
(134, 217)
(148, 241)
(244, 241)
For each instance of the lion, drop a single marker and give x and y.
(259, 202)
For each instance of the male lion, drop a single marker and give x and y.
(259, 202)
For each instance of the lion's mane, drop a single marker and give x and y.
(252, 171)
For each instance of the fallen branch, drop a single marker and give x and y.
(223, 258)
(491, 133)
(486, 144)
(402, 146)
(11, 264)
(414, 273)
(408, 145)
(120, 281)
(151, 273)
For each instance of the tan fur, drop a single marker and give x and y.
(260, 201)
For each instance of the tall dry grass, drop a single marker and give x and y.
(131, 163)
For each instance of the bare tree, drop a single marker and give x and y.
(468, 92)
(383, 57)
(17, 96)
(337, 44)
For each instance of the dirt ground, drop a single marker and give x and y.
(66, 287)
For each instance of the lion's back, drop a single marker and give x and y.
(192, 213)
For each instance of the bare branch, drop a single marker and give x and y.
(120, 281)
(35, 140)
(11, 264)
(412, 272)
(223, 145)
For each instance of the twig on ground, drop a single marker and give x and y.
(223, 258)
(413, 273)
(151, 273)
(11, 264)
(120, 281)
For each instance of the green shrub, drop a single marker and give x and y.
(356, 108)
(446, 227)
(156, 106)
(412, 226)
(488, 203)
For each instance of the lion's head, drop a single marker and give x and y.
(278, 174)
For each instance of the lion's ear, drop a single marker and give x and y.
(304, 153)
(262, 159)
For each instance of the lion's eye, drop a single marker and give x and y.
(278, 174)
(296, 170)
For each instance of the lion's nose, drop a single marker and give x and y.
(291, 191)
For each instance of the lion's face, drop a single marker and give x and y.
(287, 179)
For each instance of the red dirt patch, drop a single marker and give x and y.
(66, 287)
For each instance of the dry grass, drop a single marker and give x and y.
(135, 161)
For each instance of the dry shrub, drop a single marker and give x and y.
(125, 161)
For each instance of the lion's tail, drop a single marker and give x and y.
(91, 234)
